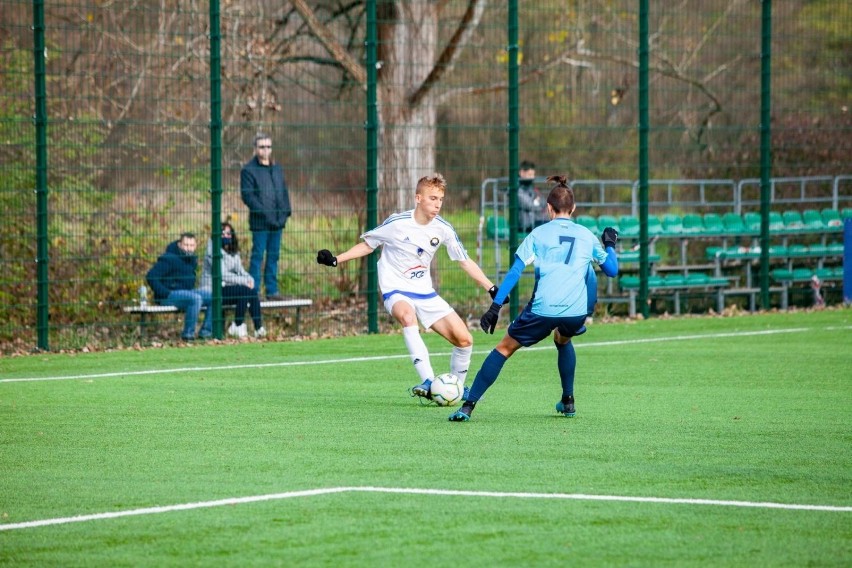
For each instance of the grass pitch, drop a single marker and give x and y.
(690, 435)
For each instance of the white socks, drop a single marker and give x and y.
(419, 353)
(460, 362)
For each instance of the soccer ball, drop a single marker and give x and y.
(446, 390)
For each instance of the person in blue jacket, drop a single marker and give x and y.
(264, 191)
(563, 253)
(172, 278)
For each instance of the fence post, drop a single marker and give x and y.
(644, 126)
(765, 148)
(372, 127)
(40, 118)
(513, 128)
(216, 168)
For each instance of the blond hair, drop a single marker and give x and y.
(435, 180)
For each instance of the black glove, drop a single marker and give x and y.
(325, 257)
(488, 321)
(610, 237)
(493, 293)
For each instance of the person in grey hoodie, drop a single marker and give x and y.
(238, 286)
(264, 191)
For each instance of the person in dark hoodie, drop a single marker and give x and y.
(264, 191)
(172, 278)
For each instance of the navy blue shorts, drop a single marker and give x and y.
(530, 328)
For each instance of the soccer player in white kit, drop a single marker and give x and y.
(409, 242)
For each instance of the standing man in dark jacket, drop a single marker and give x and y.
(264, 191)
(172, 279)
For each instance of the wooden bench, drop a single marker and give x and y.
(154, 309)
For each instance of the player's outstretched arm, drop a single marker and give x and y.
(609, 238)
(359, 250)
(476, 273)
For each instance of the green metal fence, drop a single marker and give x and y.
(124, 124)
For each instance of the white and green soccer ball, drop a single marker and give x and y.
(447, 390)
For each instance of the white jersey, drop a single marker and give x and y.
(407, 253)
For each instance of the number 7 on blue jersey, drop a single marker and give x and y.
(570, 247)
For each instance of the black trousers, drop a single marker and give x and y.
(242, 297)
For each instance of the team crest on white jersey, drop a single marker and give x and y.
(434, 241)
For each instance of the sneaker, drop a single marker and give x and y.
(274, 297)
(423, 390)
(260, 332)
(566, 409)
(238, 331)
(459, 416)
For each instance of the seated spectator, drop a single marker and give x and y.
(172, 279)
(238, 286)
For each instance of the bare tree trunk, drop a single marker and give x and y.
(407, 136)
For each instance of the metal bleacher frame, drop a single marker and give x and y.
(619, 197)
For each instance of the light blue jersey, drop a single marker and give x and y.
(562, 253)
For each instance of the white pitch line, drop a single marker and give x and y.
(398, 356)
(416, 491)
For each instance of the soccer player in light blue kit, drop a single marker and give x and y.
(564, 295)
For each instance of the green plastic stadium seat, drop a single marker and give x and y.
(655, 226)
(605, 221)
(818, 250)
(832, 220)
(633, 256)
(713, 224)
(776, 251)
(693, 224)
(588, 222)
(674, 280)
(802, 274)
(813, 221)
(628, 227)
(838, 272)
(672, 225)
(697, 279)
(824, 273)
(782, 274)
(797, 250)
(718, 281)
(632, 282)
(793, 222)
(713, 252)
(744, 252)
(751, 220)
(776, 222)
(835, 249)
(846, 213)
(497, 227)
(734, 224)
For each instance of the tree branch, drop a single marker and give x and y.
(334, 48)
(452, 50)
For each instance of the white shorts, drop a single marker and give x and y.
(428, 311)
